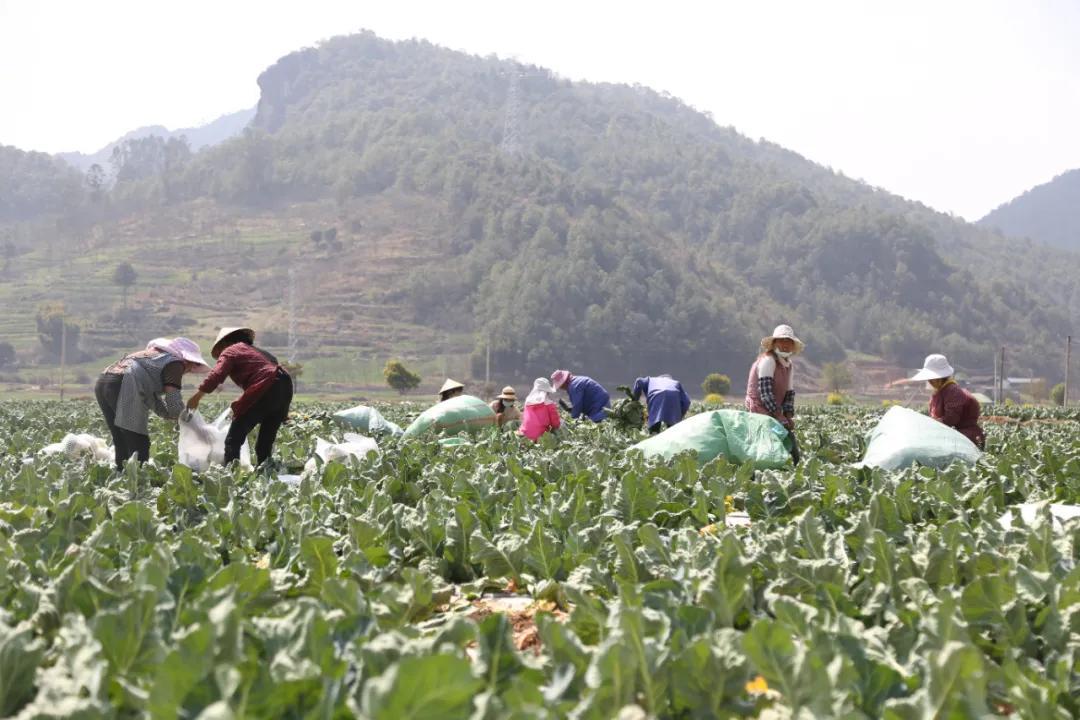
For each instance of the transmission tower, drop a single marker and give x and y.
(511, 139)
(292, 315)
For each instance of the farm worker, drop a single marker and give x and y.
(505, 408)
(140, 382)
(541, 414)
(267, 391)
(667, 401)
(449, 389)
(951, 404)
(771, 378)
(587, 397)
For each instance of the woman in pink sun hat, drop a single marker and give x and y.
(141, 382)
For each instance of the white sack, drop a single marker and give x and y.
(78, 445)
(354, 445)
(202, 444)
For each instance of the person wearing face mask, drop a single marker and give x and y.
(770, 390)
(951, 404)
(141, 382)
(505, 408)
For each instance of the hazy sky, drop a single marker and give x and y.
(961, 104)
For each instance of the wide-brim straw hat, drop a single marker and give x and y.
(935, 367)
(450, 385)
(224, 334)
(782, 332)
(560, 378)
(508, 394)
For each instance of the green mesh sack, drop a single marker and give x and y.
(736, 435)
(463, 412)
(367, 420)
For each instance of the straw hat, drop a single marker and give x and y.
(224, 334)
(935, 367)
(450, 385)
(780, 333)
(508, 394)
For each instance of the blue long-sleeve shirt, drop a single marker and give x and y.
(667, 400)
(588, 398)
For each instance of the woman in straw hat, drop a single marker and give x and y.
(540, 415)
(144, 381)
(951, 404)
(449, 389)
(505, 408)
(771, 377)
(268, 391)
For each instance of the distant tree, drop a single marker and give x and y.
(295, 369)
(7, 353)
(95, 180)
(836, 376)
(716, 384)
(1057, 394)
(51, 325)
(399, 377)
(330, 235)
(125, 276)
(317, 237)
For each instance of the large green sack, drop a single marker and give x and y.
(367, 420)
(737, 435)
(463, 412)
(904, 437)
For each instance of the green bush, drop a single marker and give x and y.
(1057, 394)
(716, 384)
(713, 400)
(835, 398)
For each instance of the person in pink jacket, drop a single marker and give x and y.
(541, 414)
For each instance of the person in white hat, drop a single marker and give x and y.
(505, 408)
(267, 391)
(770, 389)
(141, 382)
(449, 389)
(951, 404)
(541, 415)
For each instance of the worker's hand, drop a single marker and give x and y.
(787, 422)
(193, 401)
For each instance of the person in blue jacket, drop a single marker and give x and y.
(666, 399)
(587, 397)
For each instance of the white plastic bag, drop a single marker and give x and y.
(202, 444)
(354, 445)
(77, 445)
(1028, 512)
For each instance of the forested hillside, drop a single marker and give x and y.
(603, 227)
(1049, 213)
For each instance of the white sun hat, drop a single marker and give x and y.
(935, 367)
(781, 332)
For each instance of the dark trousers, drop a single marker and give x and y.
(657, 427)
(268, 412)
(125, 442)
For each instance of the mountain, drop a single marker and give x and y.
(477, 204)
(1049, 213)
(213, 133)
